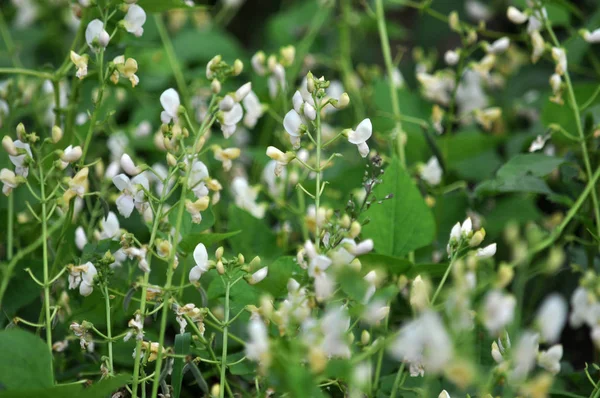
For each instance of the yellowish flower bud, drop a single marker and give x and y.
(57, 134)
(171, 161)
(238, 67)
(9, 146)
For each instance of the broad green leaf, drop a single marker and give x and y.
(162, 5)
(202, 45)
(280, 271)
(25, 361)
(391, 264)
(182, 347)
(256, 238)
(189, 242)
(522, 173)
(101, 389)
(403, 223)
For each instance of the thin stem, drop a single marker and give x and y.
(168, 45)
(225, 335)
(111, 368)
(577, 115)
(26, 72)
(45, 261)
(10, 216)
(397, 381)
(387, 56)
(319, 173)
(443, 281)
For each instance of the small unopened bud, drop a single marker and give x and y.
(454, 21)
(255, 263)
(288, 54)
(128, 165)
(215, 86)
(505, 275)
(9, 146)
(241, 258)
(215, 391)
(345, 221)
(21, 131)
(365, 337)
(238, 67)
(355, 229)
(219, 252)
(171, 161)
(310, 82)
(477, 238)
(57, 134)
(220, 267)
(99, 169)
(343, 102)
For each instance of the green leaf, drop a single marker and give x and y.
(182, 347)
(189, 242)
(161, 5)
(101, 389)
(403, 223)
(257, 237)
(392, 265)
(25, 361)
(203, 45)
(280, 271)
(522, 173)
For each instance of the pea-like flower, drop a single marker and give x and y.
(359, 137)
(257, 348)
(82, 277)
(96, 37)
(125, 68)
(258, 276)
(550, 359)
(20, 161)
(81, 63)
(135, 20)
(77, 185)
(591, 37)
(132, 193)
(9, 181)
(170, 102)
(254, 109)
(202, 265)
(225, 156)
(431, 172)
(292, 123)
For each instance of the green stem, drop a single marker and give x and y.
(48, 320)
(9, 243)
(577, 115)
(26, 72)
(443, 281)
(387, 56)
(111, 368)
(225, 335)
(319, 173)
(397, 381)
(93, 119)
(175, 66)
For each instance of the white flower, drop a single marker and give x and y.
(538, 143)
(334, 325)
(131, 193)
(467, 227)
(478, 11)
(245, 197)
(257, 349)
(437, 87)
(9, 181)
(499, 46)
(487, 251)
(451, 57)
(538, 45)
(360, 136)
(134, 20)
(560, 57)
(80, 238)
(170, 102)
(242, 92)
(82, 276)
(95, 35)
(431, 172)
(444, 394)
(515, 16)
(258, 276)
(81, 63)
(110, 228)
(197, 178)
(292, 122)
(230, 119)
(424, 342)
(550, 359)
(525, 355)
(592, 37)
(551, 318)
(201, 259)
(136, 327)
(69, 155)
(375, 312)
(348, 249)
(19, 161)
(585, 308)
(371, 279)
(498, 311)
(281, 159)
(455, 233)
(254, 109)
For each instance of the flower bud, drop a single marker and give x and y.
(241, 258)
(128, 165)
(215, 390)
(477, 238)
(255, 263)
(355, 229)
(505, 276)
(215, 86)
(171, 160)
(515, 16)
(365, 337)
(288, 53)
(9, 146)
(57, 134)
(258, 276)
(343, 101)
(219, 252)
(238, 67)
(453, 21)
(310, 82)
(220, 267)
(21, 131)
